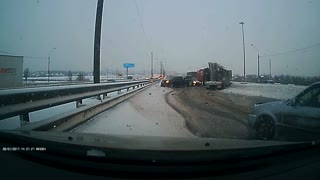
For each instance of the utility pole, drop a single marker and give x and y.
(258, 62)
(258, 68)
(49, 68)
(270, 69)
(107, 73)
(151, 64)
(244, 54)
(160, 68)
(161, 73)
(49, 59)
(97, 39)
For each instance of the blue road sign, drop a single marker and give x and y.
(128, 65)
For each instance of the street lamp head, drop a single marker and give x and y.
(241, 23)
(52, 50)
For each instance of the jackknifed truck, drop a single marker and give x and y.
(215, 77)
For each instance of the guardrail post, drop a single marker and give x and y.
(128, 89)
(24, 119)
(78, 103)
(104, 95)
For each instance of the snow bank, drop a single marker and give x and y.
(277, 91)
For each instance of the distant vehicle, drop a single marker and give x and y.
(215, 77)
(192, 74)
(203, 75)
(173, 81)
(299, 115)
(165, 83)
(191, 81)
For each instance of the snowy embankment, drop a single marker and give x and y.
(276, 91)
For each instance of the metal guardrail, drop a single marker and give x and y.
(14, 102)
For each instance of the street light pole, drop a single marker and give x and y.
(258, 62)
(258, 67)
(244, 54)
(49, 58)
(270, 69)
(151, 65)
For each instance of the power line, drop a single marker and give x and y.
(289, 52)
(141, 22)
(6, 52)
(31, 57)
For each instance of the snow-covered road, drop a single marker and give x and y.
(147, 113)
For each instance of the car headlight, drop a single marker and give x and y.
(167, 81)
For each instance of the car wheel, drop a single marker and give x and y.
(265, 129)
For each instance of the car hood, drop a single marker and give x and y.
(275, 106)
(113, 152)
(130, 142)
(273, 103)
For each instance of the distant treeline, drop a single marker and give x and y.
(283, 79)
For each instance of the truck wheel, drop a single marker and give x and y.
(265, 129)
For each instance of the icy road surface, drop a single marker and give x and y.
(147, 113)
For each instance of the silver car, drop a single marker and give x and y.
(299, 115)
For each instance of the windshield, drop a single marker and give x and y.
(169, 68)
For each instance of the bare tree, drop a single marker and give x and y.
(81, 77)
(70, 75)
(26, 73)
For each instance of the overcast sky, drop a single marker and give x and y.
(184, 34)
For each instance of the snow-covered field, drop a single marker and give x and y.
(277, 91)
(74, 78)
(64, 80)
